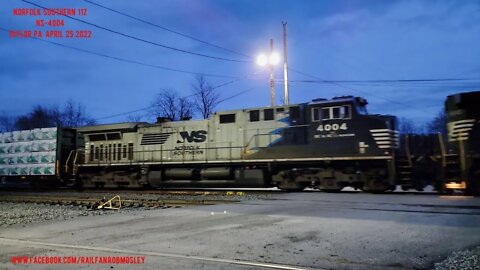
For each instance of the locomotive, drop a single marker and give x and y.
(327, 144)
(323, 144)
(460, 151)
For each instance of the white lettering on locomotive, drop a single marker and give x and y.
(332, 127)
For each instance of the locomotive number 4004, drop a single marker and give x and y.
(332, 127)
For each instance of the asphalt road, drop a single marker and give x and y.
(287, 231)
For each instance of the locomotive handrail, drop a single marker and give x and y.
(256, 136)
(68, 160)
(442, 149)
(407, 150)
(141, 155)
(75, 159)
(463, 165)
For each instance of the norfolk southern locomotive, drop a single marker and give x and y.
(460, 154)
(324, 144)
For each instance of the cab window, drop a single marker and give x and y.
(254, 116)
(268, 114)
(227, 118)
(328, 113)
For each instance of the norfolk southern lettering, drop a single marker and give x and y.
(49, 11)
(187, 150)
(194, 136)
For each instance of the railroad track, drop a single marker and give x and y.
(189, 191)
(94, 202)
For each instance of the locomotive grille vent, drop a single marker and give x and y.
(385, 138)
(154, 138)
(459, 130)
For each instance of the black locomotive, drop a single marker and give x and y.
(460, 154)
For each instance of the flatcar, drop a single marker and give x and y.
(35, 157)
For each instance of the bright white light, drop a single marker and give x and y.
(274, 59)
(262, 60)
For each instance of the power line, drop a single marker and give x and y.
(356, 90)
(125, 113)
(151, 106)
(144, 64)
(384, 81)
(139, 39)
(236, 95)
(131, 61)
(167, 29)
(246, 77)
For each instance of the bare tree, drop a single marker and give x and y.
(168, 104)
(56, 115)
(165, 105)
(39, 117)
(407, 126)
(438, 124)
(135, 117)
(206, 98)
(74, 115)
(7, 123)
(185, 109)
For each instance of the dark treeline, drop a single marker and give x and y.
(72, 114)
(437, 125)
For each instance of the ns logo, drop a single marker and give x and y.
(196, 136)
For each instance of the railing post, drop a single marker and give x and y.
(443, 150)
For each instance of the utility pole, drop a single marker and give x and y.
(285, 66)
(272, 77)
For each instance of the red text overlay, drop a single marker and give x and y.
(50, 23)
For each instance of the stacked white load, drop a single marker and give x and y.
(28, 152)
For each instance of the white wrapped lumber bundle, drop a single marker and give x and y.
(28, 152)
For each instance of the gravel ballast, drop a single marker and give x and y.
(465, 260)
(13, 213)
(26, 213)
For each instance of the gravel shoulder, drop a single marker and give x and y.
(462, 260)
(28, 213)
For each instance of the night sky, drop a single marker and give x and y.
(341, 41)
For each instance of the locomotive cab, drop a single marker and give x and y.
(342, 126)
(342, 146)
